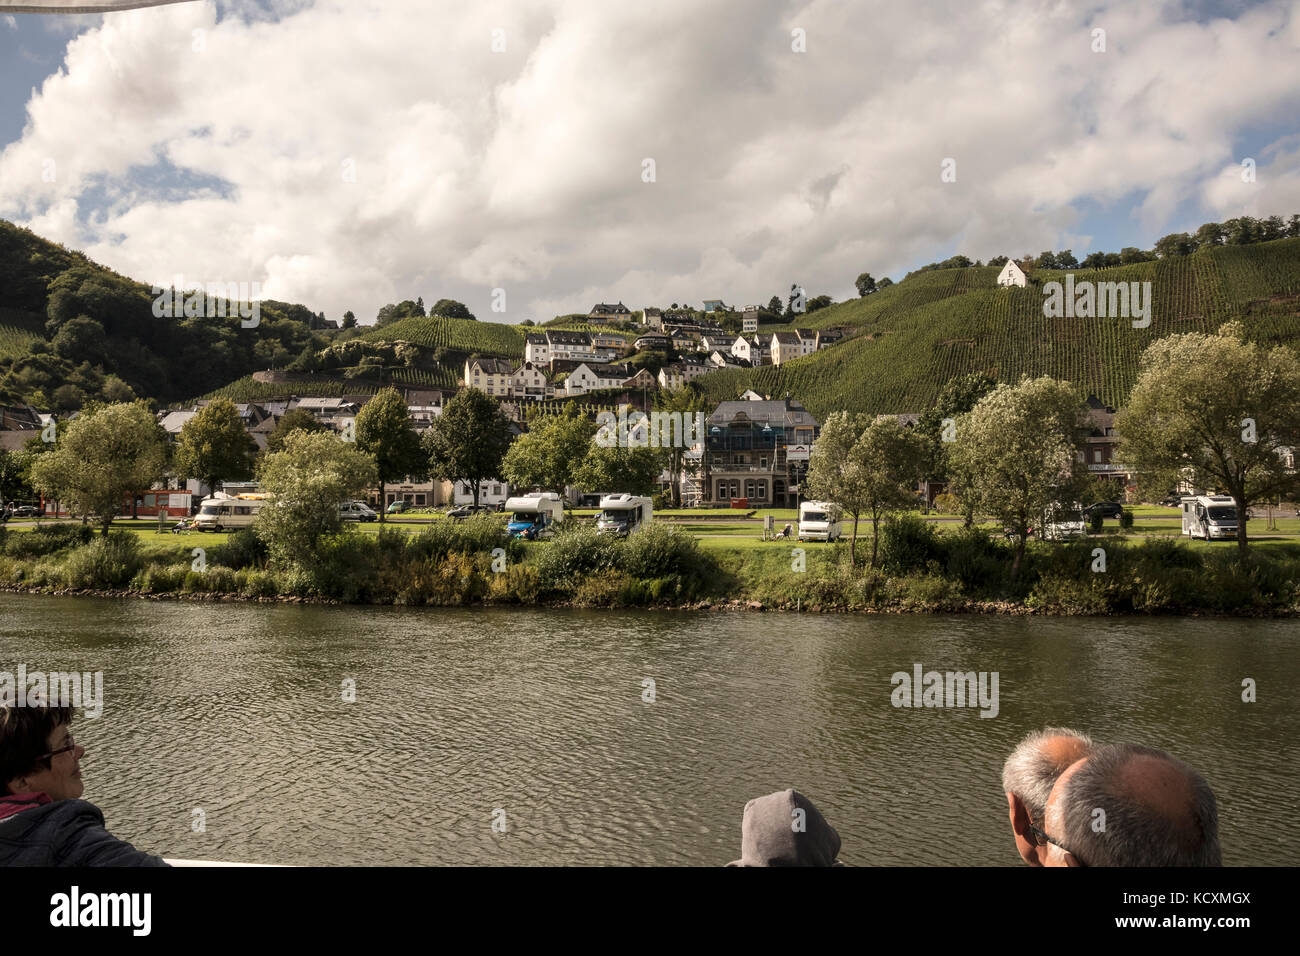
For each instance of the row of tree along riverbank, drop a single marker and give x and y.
(476, 562)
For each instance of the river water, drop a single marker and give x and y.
(537, 720)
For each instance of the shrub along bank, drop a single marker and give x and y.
(475, 562)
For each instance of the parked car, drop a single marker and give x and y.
(357, 511)
(26, 511)
(399, 507)
(1107, 509)
(464, 511)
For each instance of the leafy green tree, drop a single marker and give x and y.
(548, 455)
(1175, 244)
(865, 284)
(15, 476)
(959, 396)
(1017, 451)
(67, 398)
(1066, 260)
(115, 391)
(349, 320)
(1218, 411)
(468, 441)
(295, 419)
(213, 445)
(620, 470)
(773, 305)
(688, 401)
(384, 431)
(307, 481)
(101, 456)
(1209, 235)
(884, 283)
(451, 309)
(869, 468)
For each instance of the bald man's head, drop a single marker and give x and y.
(1128, 805)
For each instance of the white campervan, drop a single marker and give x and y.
(1060, 523)
(534, 515)
(819, 521)
(622, 514)
(1209, 516)
(224, 512)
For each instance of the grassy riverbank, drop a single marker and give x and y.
(923, 567)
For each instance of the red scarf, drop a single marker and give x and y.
(18, 802)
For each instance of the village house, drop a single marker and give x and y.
(652, 318)
(724, 359)
(602, 313)
(653, 342)
(1013, 274)
(757, 449)
(752, 350)
(529, 381)
(786, 346)
(490, 375)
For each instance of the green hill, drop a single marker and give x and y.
(458, 335)
(72, 331)
(909, 339)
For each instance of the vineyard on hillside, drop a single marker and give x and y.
(18, 330)
(918, 334)
(246, 390)
(463, 335)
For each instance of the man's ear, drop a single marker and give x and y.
(1070, 859)
(1026, 844)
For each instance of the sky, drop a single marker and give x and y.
(541, 156)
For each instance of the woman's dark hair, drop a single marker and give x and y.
(24, 737)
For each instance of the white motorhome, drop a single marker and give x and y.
(819, 521)
(1209, 516)
(1061, 523)
(534, 515)
(622, 514)
(224, 512)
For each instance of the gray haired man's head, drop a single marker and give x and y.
(1027, 779)
(1034, 766)
(1129, 805)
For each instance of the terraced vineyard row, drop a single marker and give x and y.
(433, 378)
(465, 335)
(247, 390)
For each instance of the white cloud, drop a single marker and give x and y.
(521, 169)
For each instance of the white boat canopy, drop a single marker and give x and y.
(79, 6)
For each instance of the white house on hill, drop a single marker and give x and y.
(1012, 274)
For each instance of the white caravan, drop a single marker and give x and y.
(1061, 523)
(223, 512)
(819, 521)
(1209, 516)
(534, 515)
(622, 514)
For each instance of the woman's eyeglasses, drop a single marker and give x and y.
(70, 745)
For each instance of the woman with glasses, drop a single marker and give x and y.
(43, 821)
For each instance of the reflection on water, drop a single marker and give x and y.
(237, 710)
